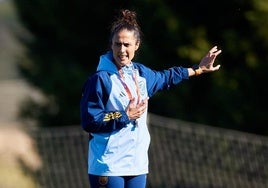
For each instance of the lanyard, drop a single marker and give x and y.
(135, 79)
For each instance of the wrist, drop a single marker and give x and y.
(197, 70)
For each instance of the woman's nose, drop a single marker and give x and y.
(122, 48)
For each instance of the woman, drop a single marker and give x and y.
(114, 107)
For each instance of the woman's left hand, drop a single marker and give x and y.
(207, 62)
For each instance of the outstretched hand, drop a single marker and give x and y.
(207, 61)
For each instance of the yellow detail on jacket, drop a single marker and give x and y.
(112, 115)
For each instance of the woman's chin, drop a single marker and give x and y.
(123, 63)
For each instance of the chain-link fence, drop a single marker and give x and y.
(182, 155)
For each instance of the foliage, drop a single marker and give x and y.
(69, 36)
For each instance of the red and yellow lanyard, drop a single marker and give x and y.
(135, 79)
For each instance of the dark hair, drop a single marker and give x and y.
(126, 20)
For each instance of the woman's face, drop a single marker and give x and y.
(124, 46)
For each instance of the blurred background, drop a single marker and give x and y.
(49, 48)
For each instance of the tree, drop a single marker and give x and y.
(69, 36)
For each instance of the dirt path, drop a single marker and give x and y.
(16, 145)
(12, 92)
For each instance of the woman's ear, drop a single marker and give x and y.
(137, 45)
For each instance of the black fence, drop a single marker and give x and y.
(182, 155)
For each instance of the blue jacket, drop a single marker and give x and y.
(119, 146)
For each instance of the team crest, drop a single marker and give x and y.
(142, 87)
(103, 180)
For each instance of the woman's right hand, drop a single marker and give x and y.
(134, 111)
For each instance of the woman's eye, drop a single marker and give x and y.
(120, 44)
